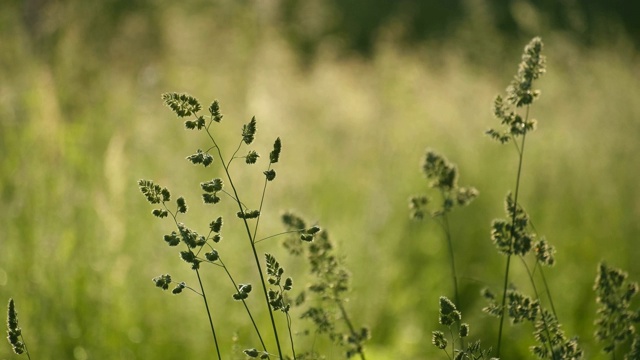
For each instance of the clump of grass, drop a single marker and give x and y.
(202, 249)
(513, 236)
(14, 332)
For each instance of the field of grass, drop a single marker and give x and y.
(81, 120)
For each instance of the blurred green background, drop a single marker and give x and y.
(356, 90)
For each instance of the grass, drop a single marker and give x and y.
(73, 241)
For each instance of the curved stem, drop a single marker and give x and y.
(278, 234)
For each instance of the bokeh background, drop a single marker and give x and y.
(357, 90)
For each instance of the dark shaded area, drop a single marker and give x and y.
(357, 23)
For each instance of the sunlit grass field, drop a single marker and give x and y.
(82, 121)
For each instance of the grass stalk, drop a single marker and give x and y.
(454, 276)
(505, 284)
(206, 305)
(253, 322)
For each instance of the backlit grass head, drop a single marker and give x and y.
(441, 175)
(14, 333)
(519, 93)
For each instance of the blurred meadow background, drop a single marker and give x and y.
(357, 90)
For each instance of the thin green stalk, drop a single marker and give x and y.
(347, 321)
(447, 231)
(278, 234)
(206, 305)
(293, 349)
(546, 286)
(253, 247)
(511, 236)
(504, 300)
(235, 286)
(24, 343)
(264, 190)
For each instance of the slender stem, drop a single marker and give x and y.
(504, 300)
(293, 349)
(453, 342)
(546, 286)
(235, 286)
(206, 305)
(352, 330)
(454, 275)
(544, 278)
(511, 237)
(24, 343)
(278, 234)
(264, 190)
(447, 231)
